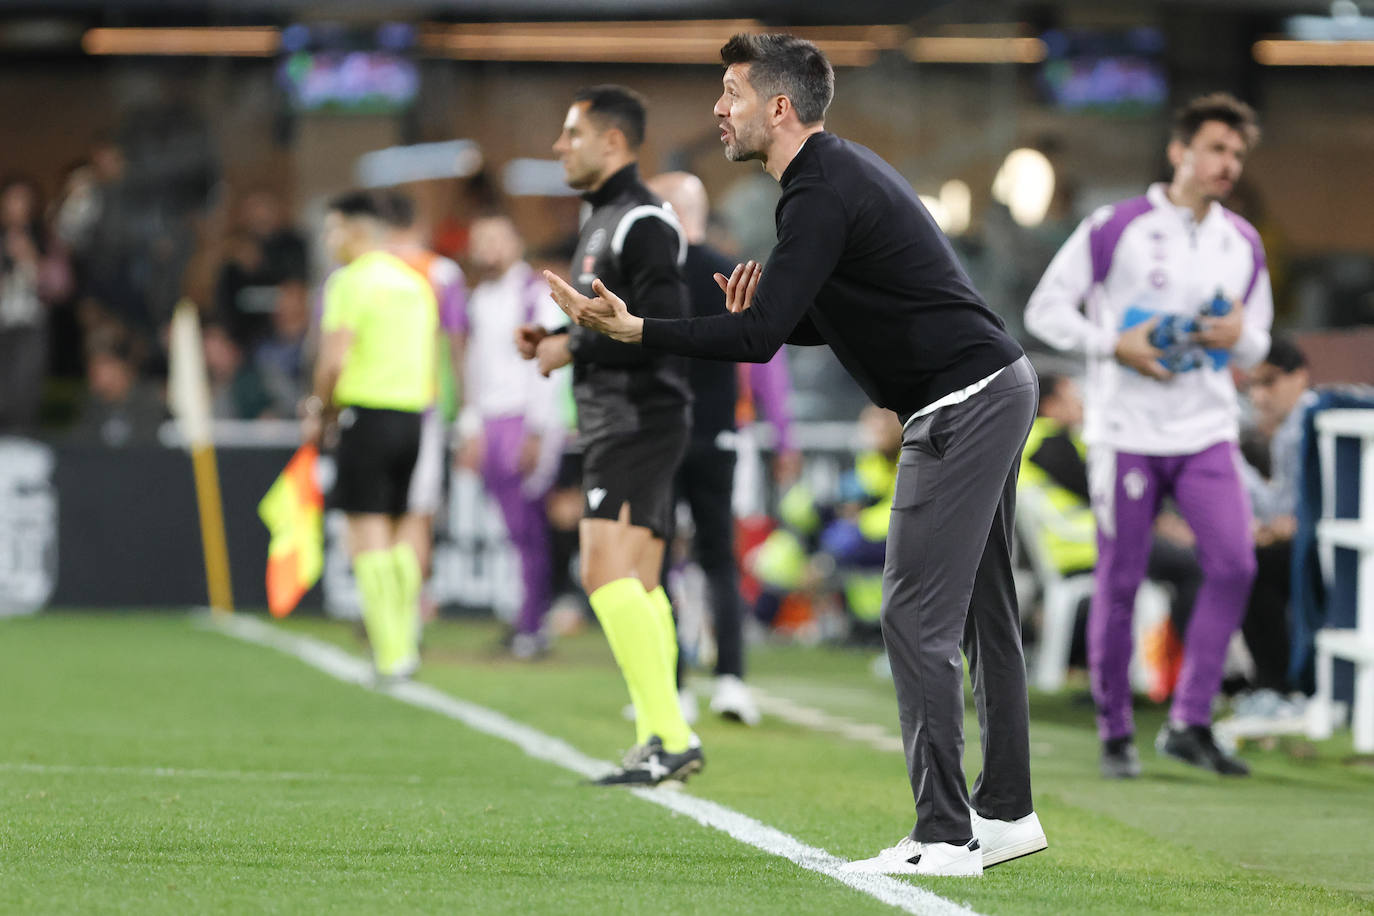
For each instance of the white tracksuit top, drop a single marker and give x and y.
(1148, 253)
(497, 381)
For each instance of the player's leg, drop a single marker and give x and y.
(1126, 490)
(1212, 499)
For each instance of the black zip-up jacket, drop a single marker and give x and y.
(859, 265)
(635, 245)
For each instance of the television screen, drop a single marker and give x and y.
(329, 68)
(1109, 72)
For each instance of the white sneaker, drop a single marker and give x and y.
(909, 857)
(733, 700)
(1003, 841)
(687, 702)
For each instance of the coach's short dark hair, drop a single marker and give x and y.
(1285, 355)
(785, 65)
(359, 203)
(618, 107)
(1218, 106)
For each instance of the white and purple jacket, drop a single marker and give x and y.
(497, 381)
(1147, 253)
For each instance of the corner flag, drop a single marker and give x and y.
(293, 511)
(188, 392)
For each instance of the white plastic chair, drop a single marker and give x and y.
(1061, 595)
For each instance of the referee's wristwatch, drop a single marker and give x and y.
(313, 406)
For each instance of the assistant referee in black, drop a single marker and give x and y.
(861, 266)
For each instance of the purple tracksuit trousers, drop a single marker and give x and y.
(525, 516)
(1127, 493)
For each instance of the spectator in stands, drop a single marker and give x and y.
(33, 274)
(236, 389)
(120, 409)
(264, 252)
(1280, 391)
(280, 359)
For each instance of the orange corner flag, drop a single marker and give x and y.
(293, 511)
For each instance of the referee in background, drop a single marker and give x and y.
(375, 377)
(861, 266)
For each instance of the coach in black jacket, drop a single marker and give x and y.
(861, 266)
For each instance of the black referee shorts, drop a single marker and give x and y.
(636, 468)
(375, 459)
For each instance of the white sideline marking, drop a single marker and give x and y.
(875, 736)
(345, 667)
(63, 769)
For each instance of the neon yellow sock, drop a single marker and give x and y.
(412, 580)
(380, 589)
(609, 625)
(667, 629)
(624, 608)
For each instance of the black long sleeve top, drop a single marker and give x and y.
(860, 265)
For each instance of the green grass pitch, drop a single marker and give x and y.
(148, 765)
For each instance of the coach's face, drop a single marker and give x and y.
(583, 148)
(742, 116)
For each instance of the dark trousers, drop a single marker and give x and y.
(706, 480)
(947, 580)
(1265, 627)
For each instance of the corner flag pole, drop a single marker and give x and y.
(189, 394)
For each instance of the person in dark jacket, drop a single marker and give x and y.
(861, 266)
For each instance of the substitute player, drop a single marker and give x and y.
(633, 415)
(861, 266)
(376, 370)
(1153, 433)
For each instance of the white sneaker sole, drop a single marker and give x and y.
(1014, 851)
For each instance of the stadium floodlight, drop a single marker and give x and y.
(1025, 184)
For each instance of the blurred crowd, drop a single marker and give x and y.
(88, 283)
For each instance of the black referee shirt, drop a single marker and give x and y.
(859, 265)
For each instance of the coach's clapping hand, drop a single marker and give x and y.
(606, 313)
(740, 285)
